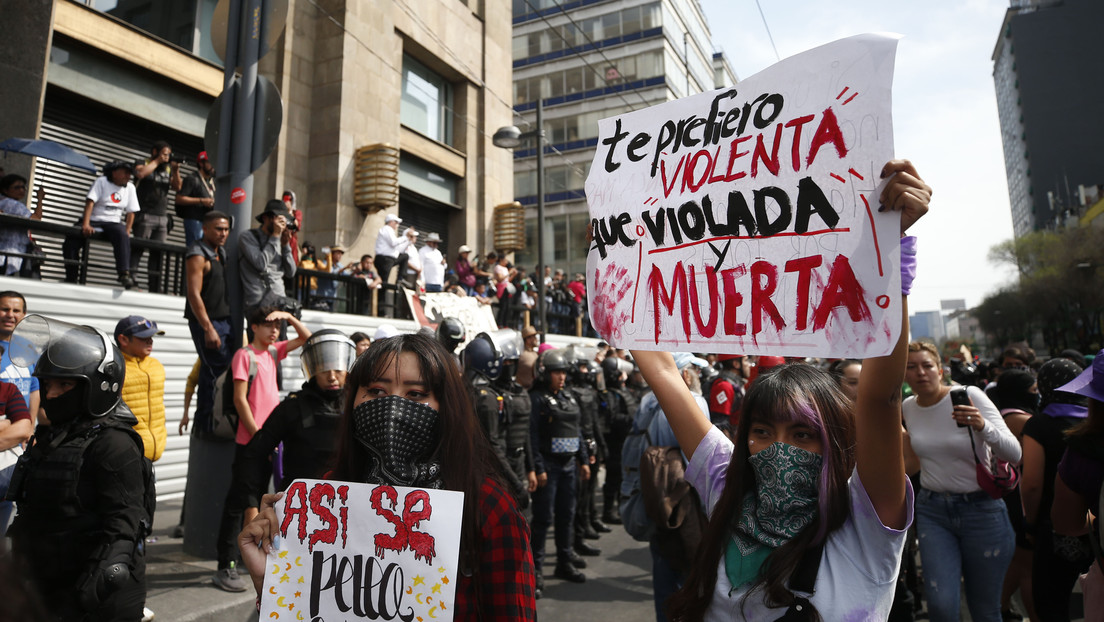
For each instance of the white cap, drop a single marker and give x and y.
(464, 248)
(392, 218)
(384, 331)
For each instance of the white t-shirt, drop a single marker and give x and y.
(946, 464)
(859, 566)
(432, 270)
(111, 203)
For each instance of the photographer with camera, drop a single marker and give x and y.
(155, 175)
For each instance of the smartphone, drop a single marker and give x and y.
(959, 398)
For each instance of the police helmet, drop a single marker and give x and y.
(450, 332)
(508, 341)
(58, 349)
(482, 357)
(327, 350)
(613, 367)
(550, 361)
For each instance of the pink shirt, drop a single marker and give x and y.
(263, 395)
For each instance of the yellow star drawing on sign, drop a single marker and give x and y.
(419, 580)
(436, 588)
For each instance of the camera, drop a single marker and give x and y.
(177, 159)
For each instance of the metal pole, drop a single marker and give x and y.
(541, 304)
(235, 194)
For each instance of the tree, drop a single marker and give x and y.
(1059, 293)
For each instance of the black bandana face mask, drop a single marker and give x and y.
(400, 436)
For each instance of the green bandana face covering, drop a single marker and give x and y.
(784, 503)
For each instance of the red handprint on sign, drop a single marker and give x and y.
(610, 289)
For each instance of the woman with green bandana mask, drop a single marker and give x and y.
(809, 507)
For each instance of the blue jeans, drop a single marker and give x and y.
(211, 365)
(432, 288)
(963, 536)
(665, 581)
(558, 492)
(193, 230)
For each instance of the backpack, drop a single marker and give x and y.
(672, 505)
(224, 413)
(633, 516)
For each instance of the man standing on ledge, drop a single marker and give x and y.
(154, 176)
(391, 248)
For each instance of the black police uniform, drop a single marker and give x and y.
(519, 444)
(586, 513)
(560, 450)
(490, 410)
(84, 492)
(306, 423)
(616, 408)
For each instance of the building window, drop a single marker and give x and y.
(183, 23)
(426, 101)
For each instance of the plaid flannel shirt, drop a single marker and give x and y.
(506, 574)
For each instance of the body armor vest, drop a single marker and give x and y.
(559, 423)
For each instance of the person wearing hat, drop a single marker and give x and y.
(109, 207)
(265, 258)
(391, 248)
(1063, 439)
(295, 222)
(465, 272)
(726, 394)
(196, 197)
(411, 274)
(433, 263)
(144, 383)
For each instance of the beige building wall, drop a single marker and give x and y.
(341, 87)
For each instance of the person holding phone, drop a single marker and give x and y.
(964, 533)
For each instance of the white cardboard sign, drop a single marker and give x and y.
(745, 220)
(360, 551)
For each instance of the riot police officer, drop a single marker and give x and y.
(515, 431)
(583, 381)
(84, 488)
(560, 454)
(482, 361)
(616, 408)
(305, 422)
(450, 333)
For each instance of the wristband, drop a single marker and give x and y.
(908, 263)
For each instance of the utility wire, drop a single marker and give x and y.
(765, 26)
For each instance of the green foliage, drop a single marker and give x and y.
(1060, 291)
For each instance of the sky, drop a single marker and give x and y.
(944, 113)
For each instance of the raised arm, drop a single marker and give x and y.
(879, 452)
(675, 398)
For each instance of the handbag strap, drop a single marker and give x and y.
(973, 447)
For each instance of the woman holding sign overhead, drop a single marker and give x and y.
(809, 507)
(408, 421)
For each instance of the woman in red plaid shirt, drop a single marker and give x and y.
(412, 384)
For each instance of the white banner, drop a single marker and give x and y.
(745, 220)
(350, 551)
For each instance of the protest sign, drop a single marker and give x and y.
(746, 219)
(350, 551)
(476, 318)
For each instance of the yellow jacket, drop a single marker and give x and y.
(144, 393)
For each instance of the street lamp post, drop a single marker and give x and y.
(510, 137)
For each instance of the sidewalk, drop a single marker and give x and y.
(179, 587)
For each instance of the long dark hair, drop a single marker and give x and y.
(464, 453)
(792, 392)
